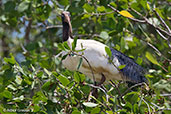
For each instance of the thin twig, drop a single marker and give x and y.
(97, 87)
(160, 108)
(143, 21)
(132, 87)
(149, 44)
(149, 112)
(147, 21)
(136, 20)
(114, 85)
(161, 34)
(54, 26)
(163, 22)
(88, 64)
(163, 95)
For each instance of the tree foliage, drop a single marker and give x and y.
(32, 79)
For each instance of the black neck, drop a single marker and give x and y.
(66, 31)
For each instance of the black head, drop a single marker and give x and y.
(67, 28)
(65, 16)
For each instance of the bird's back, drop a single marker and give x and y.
(132, 71)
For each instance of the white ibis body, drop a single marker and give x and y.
(97, 57)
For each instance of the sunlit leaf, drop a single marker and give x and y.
(100, 8)
(76, 112)
(121, 66)
(65, 44)
(88, 8)
(151, 58)
(10, 60)
(108, 51)
(63, 80)
(7, 94)
(90, 104)
(126, 14)
(23, 6)
(46, 85)
(104, 35)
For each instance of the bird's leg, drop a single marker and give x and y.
(94, 90)
(103, 79)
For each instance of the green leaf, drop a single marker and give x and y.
(122, 43)
(44, 64)
(23, 6)
(36, 108)
(108, 51)
(101, 9)
(66, 45)
(63, 2)
(39, 74)
(88, 8)
(104, 35)
(90, 104)
(74, 43)
(63, 57)
(151, 58)
(47, 72)
(121, 66)
(95, 110)
(63, 80)
(80, 63)
(46, 86)
(10, 60)
(77, 95)
(76, 112)
(7, 94)
(86, 16)
(10, 6)
(78, 77)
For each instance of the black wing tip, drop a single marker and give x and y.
(132, 72)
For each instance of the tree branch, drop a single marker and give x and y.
(143, 21)
(28, 28)
(163, 22)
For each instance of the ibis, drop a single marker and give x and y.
(96, 64)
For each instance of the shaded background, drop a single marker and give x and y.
(31, 78)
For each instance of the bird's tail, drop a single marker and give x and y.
(132, 71)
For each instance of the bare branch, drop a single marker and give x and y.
(147, 21)
(149, 112)
(28, 28)
(120, 96)
(160, 108)
(100, 14)
(143, 21)
(54, 26)
(163, 22)
(136, 20)
(132, 87)
(98, 87)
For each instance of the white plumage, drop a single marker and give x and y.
(97, 57)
